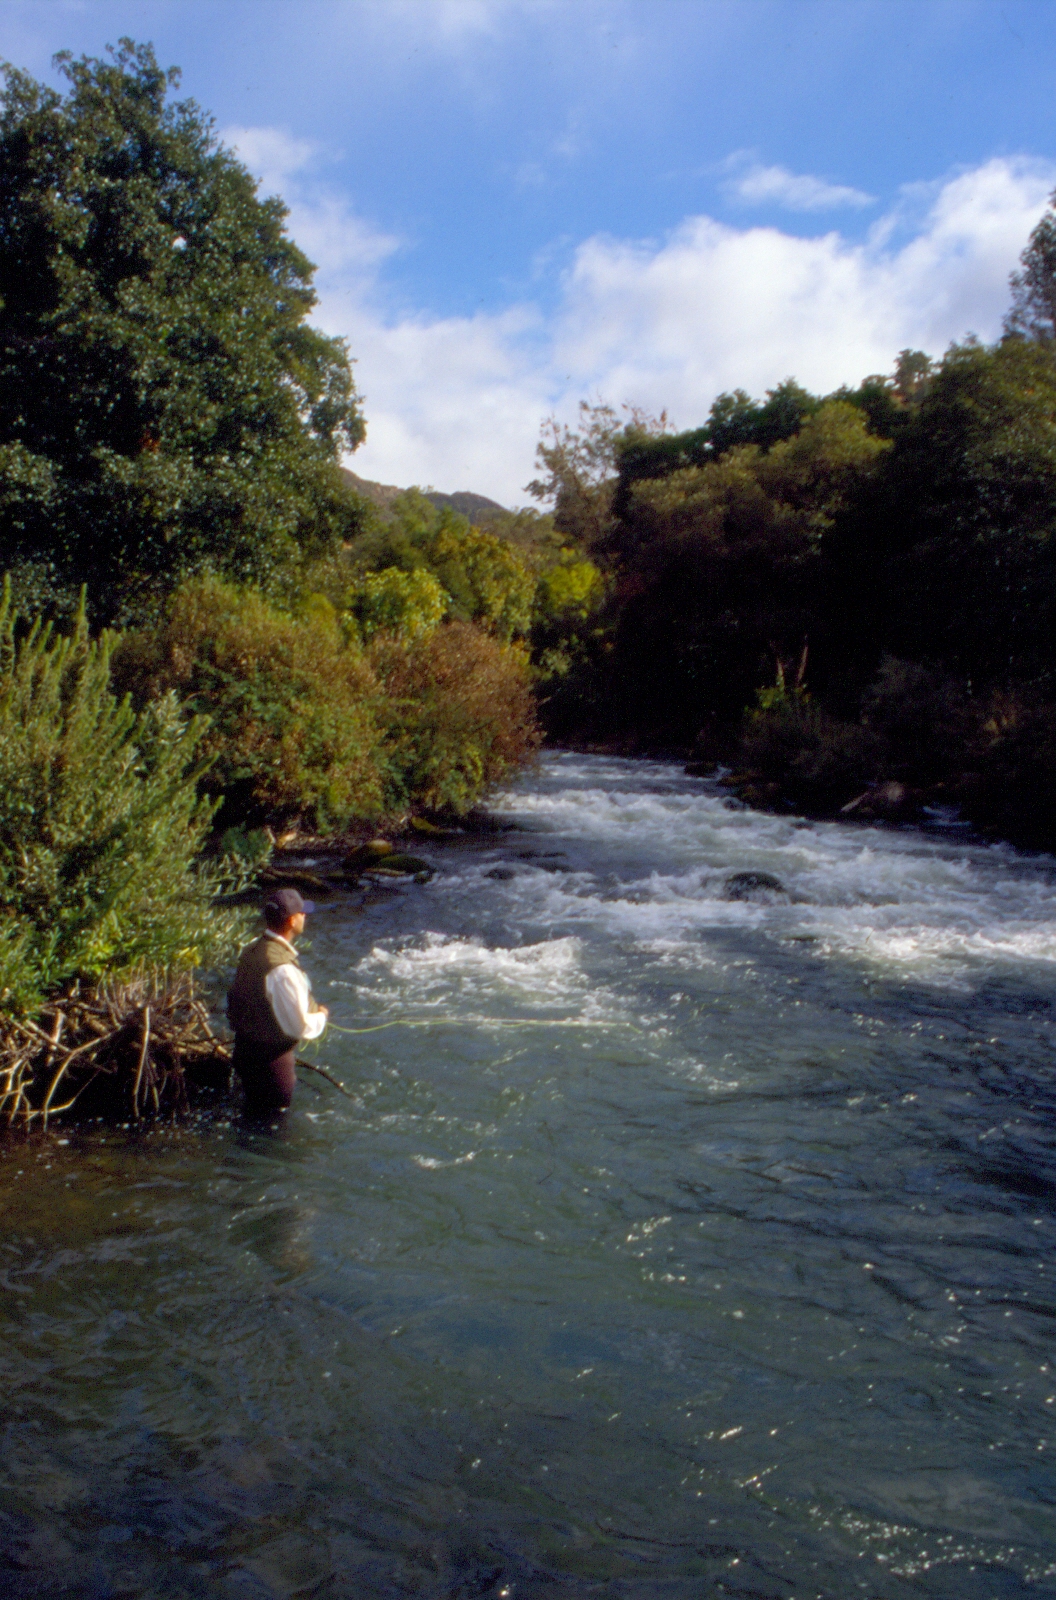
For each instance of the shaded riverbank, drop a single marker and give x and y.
(688, 1244)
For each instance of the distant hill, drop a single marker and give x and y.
(477, 507)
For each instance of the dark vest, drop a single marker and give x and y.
(248, 1009)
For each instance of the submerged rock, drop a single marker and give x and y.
(379, 859)
(501, 874)
(394, 865)
(747, 885)
(369, 854)
(423, 825)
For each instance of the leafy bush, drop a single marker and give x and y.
(292, 705)
(923, 717)
(100, 823)
(305, 722)
(409, 604)
(1012, 791)
(458, 714)
(813, 759)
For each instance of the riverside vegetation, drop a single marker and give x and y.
(850, 599)
(206, 636)
(209, 637)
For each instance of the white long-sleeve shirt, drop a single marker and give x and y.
(289, 994)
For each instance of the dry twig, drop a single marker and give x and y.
(124, 1045)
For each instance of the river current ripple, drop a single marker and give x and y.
(698, 1246)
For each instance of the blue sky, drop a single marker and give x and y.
(515, 204)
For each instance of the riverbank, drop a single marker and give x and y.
(131, 1049)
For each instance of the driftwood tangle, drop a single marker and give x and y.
(126, 1047)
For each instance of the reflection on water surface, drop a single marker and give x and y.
(699, 1246)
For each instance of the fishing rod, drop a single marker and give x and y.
(312, 1067)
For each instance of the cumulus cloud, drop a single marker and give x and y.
(713, 307)
(662, 324)
(345, 248)
(271, 154)
(759, 185)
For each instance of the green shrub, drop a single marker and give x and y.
(813, 759)
(304, 722)
(923, 717)
(458, 714)
(409, 604)
(1012, 791)
(292, 705)
(100, 823)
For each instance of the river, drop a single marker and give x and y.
(687, 1246)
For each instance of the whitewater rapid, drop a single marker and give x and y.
(603, 850)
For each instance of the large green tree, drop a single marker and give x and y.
(719, 570)
(949, 557)
(1033, 311)
(165, 407)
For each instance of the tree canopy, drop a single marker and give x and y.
(1033, 311)
(886, 554)
(165, 407)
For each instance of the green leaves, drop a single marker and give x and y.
(164, 406)
(100, 821)
(481, 575)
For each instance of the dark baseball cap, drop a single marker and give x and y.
(285, 903)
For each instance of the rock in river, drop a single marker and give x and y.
(748, 885)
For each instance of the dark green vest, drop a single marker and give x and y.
(248, 1009)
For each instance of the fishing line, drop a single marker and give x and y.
(483, 1022)
(432, 1022)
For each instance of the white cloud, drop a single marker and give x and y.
(272, 155)
(714, 306)
(346, 249)
(455, 403)
(760, 185)
(670, 323)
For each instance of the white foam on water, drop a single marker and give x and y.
(434, 1164)
(439, 972)
(650, 852)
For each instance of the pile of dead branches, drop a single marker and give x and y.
(128, 1048)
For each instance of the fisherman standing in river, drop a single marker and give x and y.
(270, 1006)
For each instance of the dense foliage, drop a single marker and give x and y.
(458, 715)
(308, 723)
(164, 405)
(291, 727)
(481, 576)
(101, 825)
(833, 593)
